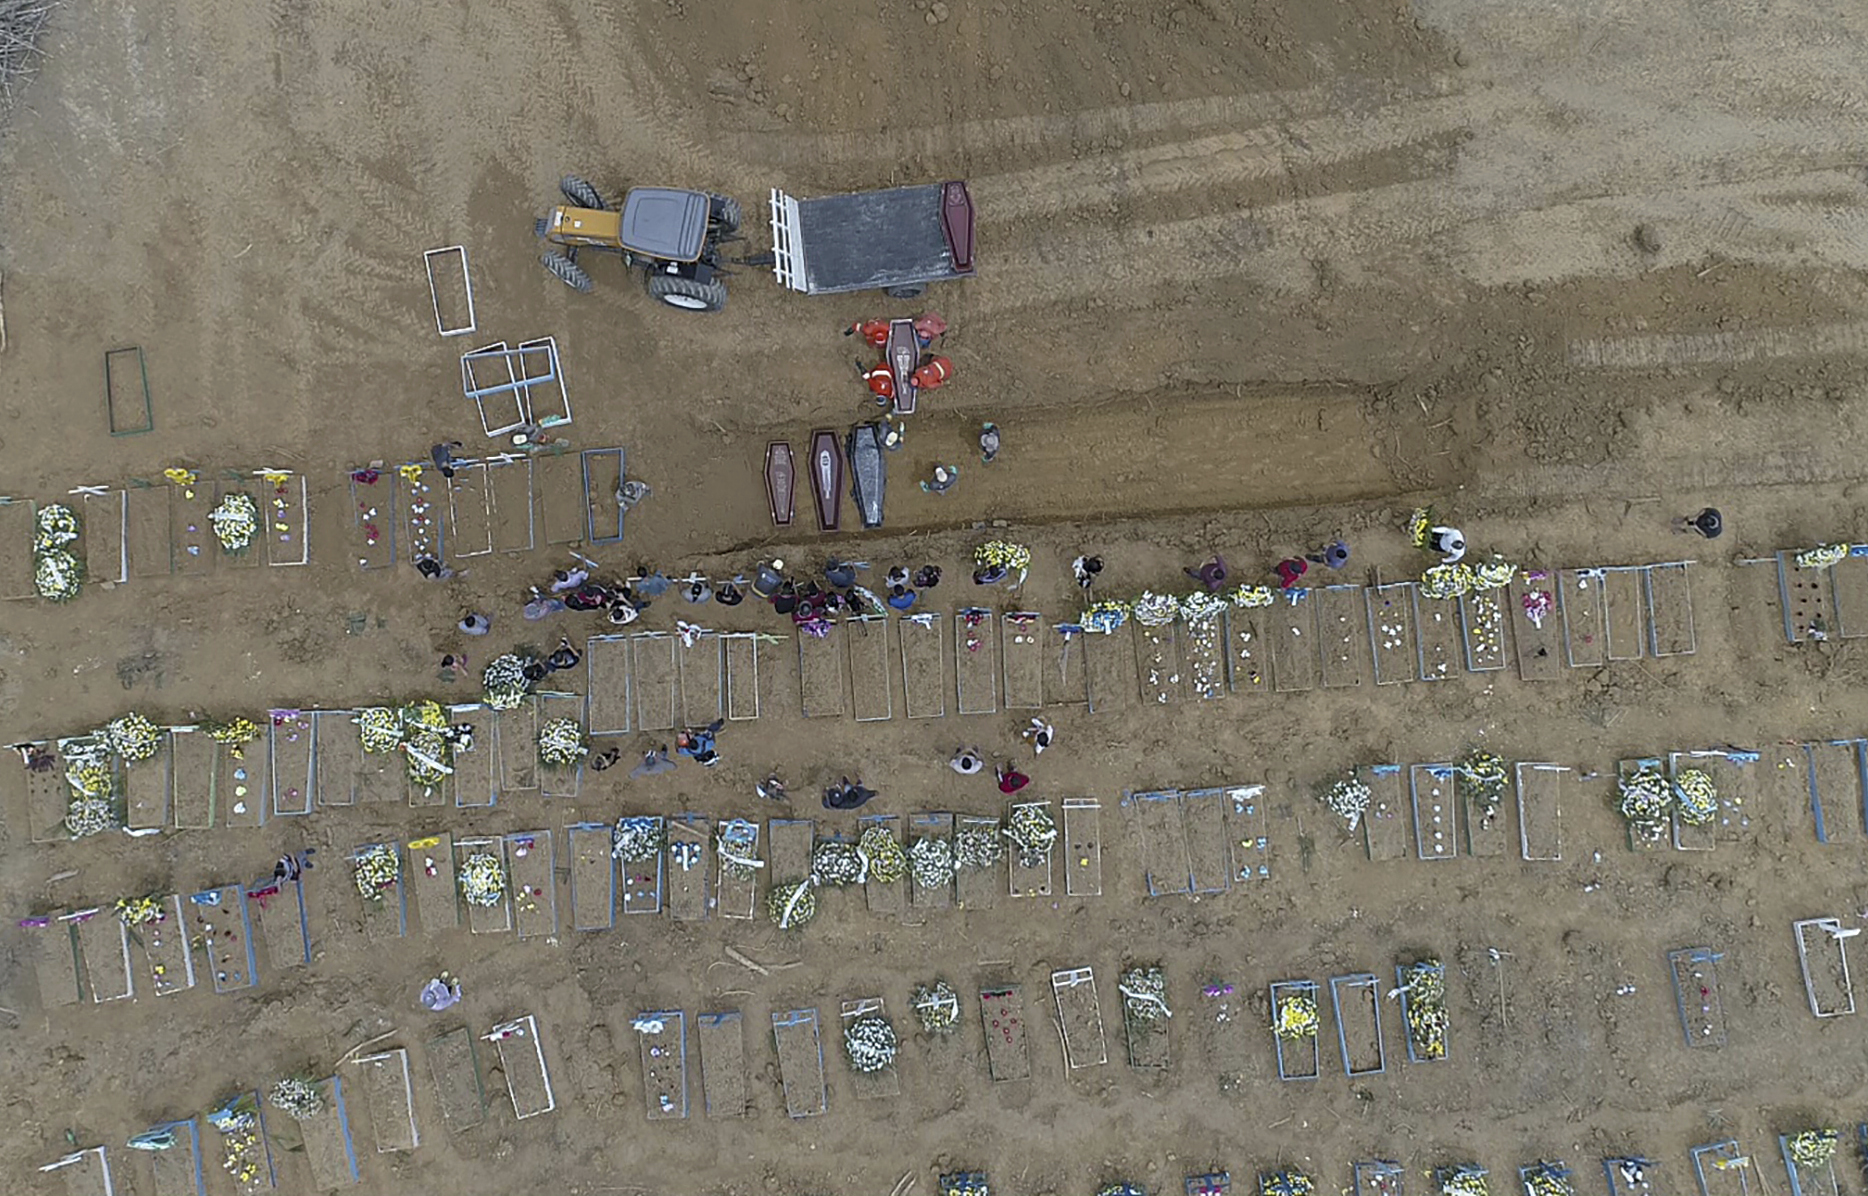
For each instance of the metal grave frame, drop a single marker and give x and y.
(1653, 629)
(125, 360)
(497, 358)
(1287, 1069)
(1079, 1055)
(1617, 1170)
(595, 534)
(1831, 927)
(1695, 975)
(1722, 1158)
(1524, 836)
(92, 1157)
(1352, 982)
(525, 1028)
(434, 293)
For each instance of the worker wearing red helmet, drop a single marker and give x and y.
(880, 378)
(876, 332)
(934, 372)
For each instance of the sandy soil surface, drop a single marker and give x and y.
(1250, 276)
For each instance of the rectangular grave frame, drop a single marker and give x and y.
(160, 768)
(1359, 980)
(1443, 771)
(319, 775)
(186, 1130)
(292, 909)
(438, 524)
(1178, 883)
(574, 843)
(1524, 823)
(1072, 640)
(888, 898)
(1680, 960)
(1191, 801)
(988, 643)
(1015, 866)
(497, 351)
(1338, 675)
(1013, 625)
(483, 509)
(157, 561)
(1071, 980)
(1420, 638)
(448, 909)
(127, 425)
(397, 908)
(496, 845)
(877, 625)
(1721, 1157)
(620, 871)
(297, 516)
(1642, 617)
(1306, 988)
(596, 535)
(386, 518)
(1407, 1033)
(639, 643)
(400, 1057)
(194, 737)
(1556, 1168)
(680, 826)
(1817, 808)
(1823, 1183)
(500, 462)
(981, 893)
(1244, 642)
(1083, 875)
(81, 1157)
(87, 493)
(1468, 614)
(716, 1023)
(533, 841)
(593, 646)
(554, 377)
(282, 803)
(678, 1110)
(1825, 925)
(1295, 598)
(1704, 838)
(1582, 628)
(434, 293)
(1015, 1055)
(1686, 590)
(1247, 802)
(876, 1085)
(1157, 655)
(560, 782)
(226, 896)
(433, 1049)
(1845, 627)
(1794, 632)
(722, 880)
(27, 586)
(1617, 1187)
(936, 693)
(796, 1106)
(1378, 1177)
(525, 1027)
(1395, 822)
(735, 712)
(1408, 646)
(931, 825)
(708, 643)
(119, 950)
(174, 915)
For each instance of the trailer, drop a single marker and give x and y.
(895, 240)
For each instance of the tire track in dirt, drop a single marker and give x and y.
(1661, 351)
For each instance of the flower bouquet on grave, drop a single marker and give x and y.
(1822, 556)
(734, 845)
(88, 771)
(376, 870)
(1121, 1189)
(380, 729)
(1423, 993)
(1538, 605)
(886, 861)
(1695, 796)
(1446, 581)
(634, 839)
(937, 1007)
(236, 521)
(483, 879)
(1494, 574)
(233, 733)
(561, 743)
(870, 1043)
(87, 816)
(1104, 616)
(965, 1183)
(428, 751)
(57, 575)
(836, 863)
(791, 904)
(55, 526)
(1295, 1018)
(1420, 527)
(1461, 1179)
(1548, 1179)
(930, 862)
(132, 736)
(505, 681)
(1003, 554)
(297, 1098)
(242, 1154)
(138, 911)
(1289, 1182)
(1033, 831)
(1646, 801)
(1144, 995)
(1246, 597)
(1481, 778)
(978, 846)
(1812, 1149)
(1155, 610)
(1201, 606)
(1348, 799)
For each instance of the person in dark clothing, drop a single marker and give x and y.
(990, 575)
(432, 569)
(1086, 568)
(840, 574)
(294, 865)
(1212, 575)
(564, 656)
(901, 598)
(534, 670)
(1333, 555)
(1708, 523)
(444, 458)
(786, 600)
(35, 758)
(728, 595)
(603, 760)
(847, 796)
(927, 577)
(589, 596)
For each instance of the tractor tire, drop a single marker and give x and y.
(911, 291)
(566, 271)
(581, 194)
(730, 216)
(687, 294)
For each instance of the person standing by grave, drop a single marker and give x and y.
(967, 762)
(988, 442)
(654, 761)
(1086, 569)
(1333, 555)
(1707, 523)
(944, 478)
(473, 623)
(444, 457)
(926, 577)
(1212, 575)
(901, 598)
(1039, 735)
(1449, 542)
(1010, 779)
(564, 656)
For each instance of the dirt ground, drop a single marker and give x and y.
(1251, 275)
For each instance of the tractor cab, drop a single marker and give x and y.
(662, 224)
(672, 235)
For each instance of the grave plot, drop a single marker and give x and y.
(46, 796)
(1028, 867)
(924, 681)
(1721, 1169)
(1420, 988)
(1296, 1023)
(147, 529)
(241, 784)
(450, 286)
(1440, 646)
(1079, 1017)
(603, 478)
(522, 1058)
(1670, 630)
(1627, 1176)
(1482, 810)
(235, 482)
(1545, 1179)
(1109, 658)
(1783, 790)
(1848, 585)
(606, 672)
(1729, 773)
(1167, 869)
(373, 520)
(1695, 972)
(687, 868)
(147, 785)
(509, 487)
(931, 867)
(1807, 599)
(529, 863)
(1291, 626)
(558, 481)
(1157, 661)
(655, 680)
(1022, 646)
(1248, 827)
(1809, 1161)
(737, 846)
(1482, 630)
(1083, 846)
(245, 1143)
(217, 918)
(382, 778)
(431, 877)
(480, 875)
(788, 849)
(976, 661)
(1008, 1049)
(1391, 632)
(470, 511)
(104, 955)
(886, 895)
(338, 757)
(1540, 811)
(1836, 788)
(1209, 846)
(1581, 599)
(278, 906)
(293, 760)
(285, 516)
(191, 536)
(1247, 660)
(476, 778)
(638, 845)
(1342, 622)
(458, 1091)
(1067, 672)
(864, 1021)
(1435, 822)
(662, 1038)
(378, 869)
(703, 680)
(1385, 822)
(17, 530)
(1356, 1001)
(1822, 954)
(1379, 1177)
(421, 507)
(1146, 1019)
(567, 780)
(1202, 664)
(54, 950)
(741, 681)
(514, 766)
(85, 1173)
(389, 1093)
(593, 876)
(106, 534)
(1624, 603)
(1536, 626)
(800, 1062)
(177, 1171)
(193, 795)
(721, 1038)
(872, 694)
(170, 964)
(1625, 770)
(980, 876)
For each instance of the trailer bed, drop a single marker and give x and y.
(902, 237)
